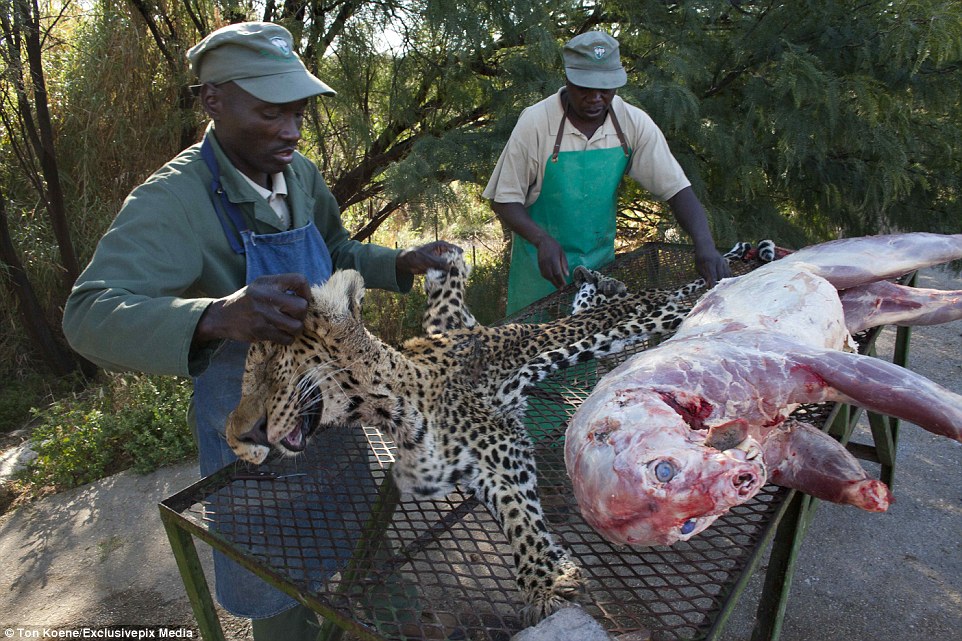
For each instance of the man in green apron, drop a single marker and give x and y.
(555, 185)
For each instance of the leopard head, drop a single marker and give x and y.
(289, 390)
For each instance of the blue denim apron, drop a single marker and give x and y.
(217, 392)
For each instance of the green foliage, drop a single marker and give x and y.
(20, 395)
(392, 317)
(801, 121)
(73, 447)
(487, 291)
(16, 401)
(117, 112)
(136, 422)
(806, 120)
(152, 421)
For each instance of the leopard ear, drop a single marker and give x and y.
(355, 295)
(340, 296)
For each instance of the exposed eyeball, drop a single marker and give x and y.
(664, 471)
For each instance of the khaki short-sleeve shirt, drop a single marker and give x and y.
(518, 175)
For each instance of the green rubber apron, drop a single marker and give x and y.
(577, 205)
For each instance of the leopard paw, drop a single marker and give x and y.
(766, 251)
(582, 275)
(611, 287)
(739, 251)
(567, 586)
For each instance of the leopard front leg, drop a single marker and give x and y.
(594, 288)
(507, 484)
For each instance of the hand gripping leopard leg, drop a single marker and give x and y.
(596, 288)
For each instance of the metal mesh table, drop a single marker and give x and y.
(425, 568)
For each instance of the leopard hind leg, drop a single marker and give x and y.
(546, 576)
(511, 396)
(596, 288)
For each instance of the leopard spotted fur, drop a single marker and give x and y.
(452, 400)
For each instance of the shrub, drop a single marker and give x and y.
(16, 401)
(20, 394)
(153, 422)
(136, 422)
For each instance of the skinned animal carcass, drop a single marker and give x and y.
(679, 434)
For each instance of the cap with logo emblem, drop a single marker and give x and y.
(592, 61)
(259, 57)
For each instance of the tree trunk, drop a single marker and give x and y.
(60, 360)
(28, 15)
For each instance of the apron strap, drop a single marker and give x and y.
(561, 131)
(229, 215)
(614, 121)
(621, 135)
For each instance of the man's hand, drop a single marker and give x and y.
(552, 261)
(711, 265)
(420, 259)
(270, 308)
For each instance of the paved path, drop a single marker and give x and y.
(98, 555)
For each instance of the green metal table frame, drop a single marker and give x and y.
(181, 535)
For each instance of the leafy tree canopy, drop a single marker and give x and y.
(808, 118)
(795, 120)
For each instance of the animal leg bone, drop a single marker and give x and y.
(885, 303)
(803, 457)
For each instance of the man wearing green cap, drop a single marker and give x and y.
(555, 184)
(219, 248)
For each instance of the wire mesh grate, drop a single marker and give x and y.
(444, 564)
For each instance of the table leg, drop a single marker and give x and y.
(192, 574)
(781, 567)
(381, 514)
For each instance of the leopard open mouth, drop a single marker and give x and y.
(295, 440)
(306, 424)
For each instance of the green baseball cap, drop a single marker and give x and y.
(259, 57)
(592, 61)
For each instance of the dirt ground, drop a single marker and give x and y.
(97, 556)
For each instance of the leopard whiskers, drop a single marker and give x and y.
(311, 381)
